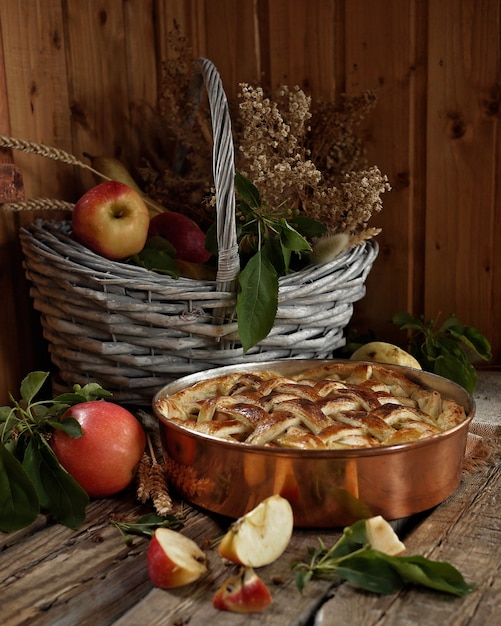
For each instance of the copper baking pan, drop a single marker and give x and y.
(326, 488)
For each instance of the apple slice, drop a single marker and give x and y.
(173, 559)
(260, 536)
(244, 592)
(382, 537)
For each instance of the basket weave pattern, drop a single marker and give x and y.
(133, 330)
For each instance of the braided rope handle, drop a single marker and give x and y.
(223, 169)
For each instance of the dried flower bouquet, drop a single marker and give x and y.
(304, 191)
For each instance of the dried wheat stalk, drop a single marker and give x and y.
(44, 204)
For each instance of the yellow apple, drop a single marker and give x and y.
(260, 536)
(173, 559)
(382, 537)
(244, 592)
(382, 352)
(112, 220)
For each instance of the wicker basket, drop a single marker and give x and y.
(133, 330)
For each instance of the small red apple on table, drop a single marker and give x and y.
(112, 220)
(104, 459)
(173, 559)
(244, 592)
(257, 538)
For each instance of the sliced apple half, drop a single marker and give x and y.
(173, 559)
(244, 592)
(382, 537)
(260, 536)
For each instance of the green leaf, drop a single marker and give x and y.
(57, 490)
(211, 239)
(437, 575)
(32, 384)
(473, 340)
(19, 504)
(367, 570)
(456, 367)
(157, 261)
(247, 191)
(302, 578)
(307, 226)
(257, 300)
(406, 321)
(69, 425)
(448, 350)
(290, 237)
(353, 538)
(145, 525)
(277, 255)
(90, 391)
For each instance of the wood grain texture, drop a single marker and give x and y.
(462, 160)
(470, 542)
(53, 575)
(82, 77)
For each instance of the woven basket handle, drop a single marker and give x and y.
(223, 169)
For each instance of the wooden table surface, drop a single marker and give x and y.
(50, 574)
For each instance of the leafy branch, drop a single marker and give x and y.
(448, 349)
(352, 559)
(272, 243)
(145, 525)
(31, 477)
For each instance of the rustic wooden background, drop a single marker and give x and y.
(73, 75)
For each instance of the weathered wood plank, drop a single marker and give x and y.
(465, 531)
(385, 53)
(36, 76)
(462, 159)
(302, 43)
(52, 575)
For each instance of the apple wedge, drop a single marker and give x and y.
(382, 537)
(260, 536)
(173, 559)
(244, 592)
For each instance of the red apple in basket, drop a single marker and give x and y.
(104, 459)
(112, 220)
(183, 233)
(260, 536)
(244, 592)
(173, 559)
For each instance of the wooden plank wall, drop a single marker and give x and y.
(74, 75)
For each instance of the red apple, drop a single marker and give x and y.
(260, 536)
(244, 592)
(104, 459)
(112, 220)
(173, 559)
(183, 233)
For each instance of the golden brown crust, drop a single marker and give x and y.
(333, 406)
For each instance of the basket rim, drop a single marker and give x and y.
(41, 233)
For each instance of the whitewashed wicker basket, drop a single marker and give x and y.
(133, 330)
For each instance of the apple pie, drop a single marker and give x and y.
(333, 406)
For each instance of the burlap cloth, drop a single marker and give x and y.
(483, 445)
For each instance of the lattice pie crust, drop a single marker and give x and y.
(335, 406)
